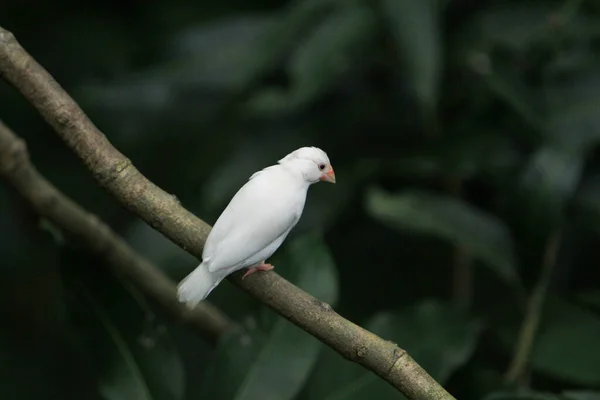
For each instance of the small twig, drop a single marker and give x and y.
(118, 176)
(49, 202)
(533, 313)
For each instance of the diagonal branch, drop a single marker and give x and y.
(48, 201)
(116, 174)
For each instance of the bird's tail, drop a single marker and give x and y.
(197, 285)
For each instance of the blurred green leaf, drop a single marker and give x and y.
(464, 156)
(572, 107)
(538, 206)
(290, 27)
(216, 64)
(510, 87)
(524, 395)
(220, 53)
(523, 25)
(236, 358)
(132, 361)
(440, 338)
(486, 237)
(416, 28)
(580, 395)
(561, 106)
(567, 345)
(324, 57)
(569, 351)
(517, 26)
(530, 395)
(274, 365)
(551, 178)
(204, 65)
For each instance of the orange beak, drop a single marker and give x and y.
(329, 176)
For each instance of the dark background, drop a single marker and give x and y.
(464, 139)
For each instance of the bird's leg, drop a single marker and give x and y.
(260, 267)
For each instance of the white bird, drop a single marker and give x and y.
(256, 221)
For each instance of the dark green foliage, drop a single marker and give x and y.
(464, 138)
(449, 219)
(441, 339)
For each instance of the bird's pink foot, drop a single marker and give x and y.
(260, 267)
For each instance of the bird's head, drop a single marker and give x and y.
(311, 162)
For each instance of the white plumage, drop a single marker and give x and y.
(256, 221)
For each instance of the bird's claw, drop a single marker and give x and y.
(261, 267)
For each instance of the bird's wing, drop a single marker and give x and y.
(257, 215)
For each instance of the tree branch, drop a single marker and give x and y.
(48, 201)
(159, 209)
(533, 313)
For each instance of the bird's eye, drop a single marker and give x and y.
(321, 167)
